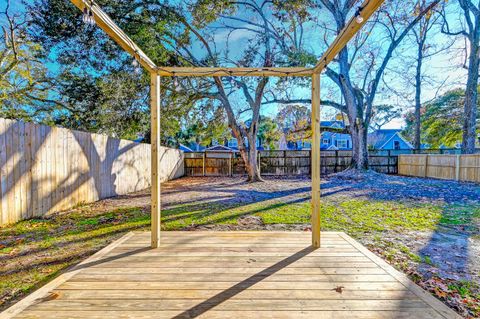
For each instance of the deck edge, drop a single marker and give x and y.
(430, 300)
(41, 292)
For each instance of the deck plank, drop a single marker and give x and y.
(230, 304)
(214, 314)
(219, 277)
(156, 294)
(82, 285)
(232, 275)
(126, 270)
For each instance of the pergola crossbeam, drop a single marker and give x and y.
(116, 33)
(221, 71)
(365, 11)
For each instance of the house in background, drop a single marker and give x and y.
(338, 141)
(332, 131)
(228, 145)
(388, 140)
(191, 147)
(233, 144)
(332, 125)
(335, 141)
(333, 138)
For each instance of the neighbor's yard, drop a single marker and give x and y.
(427, 228)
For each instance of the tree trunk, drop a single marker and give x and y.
(471, 95)
(249, 156)
(359, 147)
(418, 96)
(251, 164)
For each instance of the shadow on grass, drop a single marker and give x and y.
(66, 247)
(219, 212)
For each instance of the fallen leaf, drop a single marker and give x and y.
(339, 289)
(51, 296)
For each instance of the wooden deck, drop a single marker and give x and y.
(231, 275)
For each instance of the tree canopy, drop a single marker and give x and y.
(441, 120)
(67, 73)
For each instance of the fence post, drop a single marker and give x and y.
(335, 169)
(185, 166)
(259, 157)
(230, 165)
(310, 153)
(426, 166)
(388, 161)
(457, 168)
(203, 162)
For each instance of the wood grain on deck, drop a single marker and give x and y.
(232, 275)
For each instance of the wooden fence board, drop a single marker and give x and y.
(44, 170)
(3, 173)
(449, 167)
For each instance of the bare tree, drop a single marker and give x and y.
(420, 33)
(470, 30)
(358, 70)
(23, 76)
(269, 42)
(360, 84)
(412, 69)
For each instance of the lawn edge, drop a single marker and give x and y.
(22, 304)
(436, 304)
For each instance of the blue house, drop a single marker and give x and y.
(379, 140)
(336, 141)
(388, 140)
(228, 145)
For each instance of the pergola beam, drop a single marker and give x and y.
(366, 10)
(113, 31)
(220, 71)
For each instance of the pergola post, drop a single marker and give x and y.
(315, 160)
(155, 148)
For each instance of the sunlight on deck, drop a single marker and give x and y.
(232, 275)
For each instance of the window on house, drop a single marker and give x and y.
(396, 145)
(342, 143)
(232, 142)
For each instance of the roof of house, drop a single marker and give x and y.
(220, 148)
(184, 148)
(379, 138)
(332, 124)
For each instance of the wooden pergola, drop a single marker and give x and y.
(363, 13)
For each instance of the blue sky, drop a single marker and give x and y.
(444, 68)
(442, 72)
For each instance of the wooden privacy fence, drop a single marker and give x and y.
(453, 167)
(282, 163)
(46, 169)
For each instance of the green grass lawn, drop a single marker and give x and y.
(34, 251)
